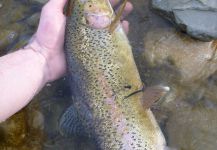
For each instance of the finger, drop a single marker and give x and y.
(59, 4)
(114, 2)
(128, 8)
(125, 25)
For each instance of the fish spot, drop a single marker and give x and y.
(128, 87)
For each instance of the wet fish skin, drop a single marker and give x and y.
(102, 74)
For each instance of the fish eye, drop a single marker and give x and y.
(90, 5)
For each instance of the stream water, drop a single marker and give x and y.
(187, 115)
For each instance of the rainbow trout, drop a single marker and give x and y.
(106, 86)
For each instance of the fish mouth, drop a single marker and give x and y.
(98, 20)
(97, 14)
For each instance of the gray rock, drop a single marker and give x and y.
(196, 17)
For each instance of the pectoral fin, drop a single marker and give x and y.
(153, 94)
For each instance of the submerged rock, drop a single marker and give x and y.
(191, 59)
(7, 37)
(33, 20)
(192, 129)
(18, 20)
(14, 131)
(197, 17)
(11, 12)
(24, 130)
(22, 41)
(188, 113)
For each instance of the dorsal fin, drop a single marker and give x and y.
(214, 47)
(115, 22)
(153, 94)
(69, 7)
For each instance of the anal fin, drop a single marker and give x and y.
(153, 94)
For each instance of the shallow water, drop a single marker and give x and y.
(163, 56)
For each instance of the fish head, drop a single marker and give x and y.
(96, 14)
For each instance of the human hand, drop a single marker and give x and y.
(49, 38)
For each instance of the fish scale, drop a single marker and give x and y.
(101, 66)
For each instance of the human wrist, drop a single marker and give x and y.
(41, 60)
(54, 58)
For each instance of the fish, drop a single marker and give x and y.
(107, 92)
